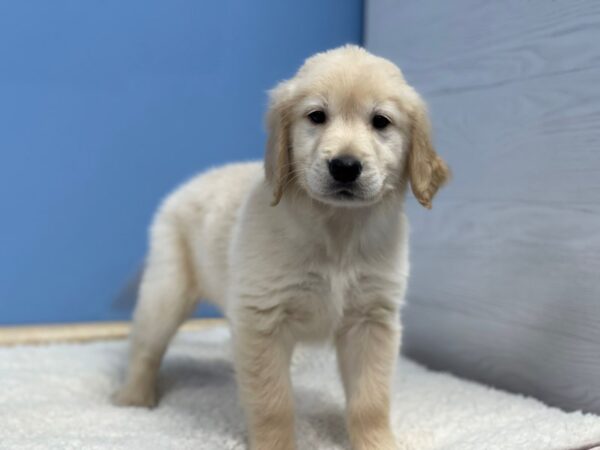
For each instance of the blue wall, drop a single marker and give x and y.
(105, 107)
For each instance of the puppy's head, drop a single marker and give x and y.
(348, 129)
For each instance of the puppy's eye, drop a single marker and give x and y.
(380, 122)
(317, 117)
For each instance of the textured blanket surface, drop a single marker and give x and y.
(58, 397)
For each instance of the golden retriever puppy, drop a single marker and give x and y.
(310, 246)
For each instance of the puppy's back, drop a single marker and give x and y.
(203, 212)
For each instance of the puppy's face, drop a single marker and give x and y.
(349, 138)
(346, 128)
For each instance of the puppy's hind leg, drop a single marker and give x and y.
(167, 297)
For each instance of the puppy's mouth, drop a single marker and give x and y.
(348, 196)
(353, 191)
(345, 194)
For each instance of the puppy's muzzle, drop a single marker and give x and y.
(345, 169)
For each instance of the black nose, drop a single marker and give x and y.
(345, 169)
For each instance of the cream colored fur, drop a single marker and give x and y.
(315, 267)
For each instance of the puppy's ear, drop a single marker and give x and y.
(427, 172)
(278, 168)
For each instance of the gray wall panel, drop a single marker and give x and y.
(505, 283)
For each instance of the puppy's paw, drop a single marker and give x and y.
(376, 440)
(415, 441)
(387, 441)
(135, 396)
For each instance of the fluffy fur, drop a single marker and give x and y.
(289, 257)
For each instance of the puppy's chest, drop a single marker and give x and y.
(328, 293)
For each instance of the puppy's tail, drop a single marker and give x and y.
(124, 301)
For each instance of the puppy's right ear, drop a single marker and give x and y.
(278, 159)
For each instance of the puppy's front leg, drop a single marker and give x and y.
(262, 362)
(367, 349)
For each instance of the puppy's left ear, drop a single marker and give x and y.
(427, 172)
(278, 170)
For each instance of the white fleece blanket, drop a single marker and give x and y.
(57, 397)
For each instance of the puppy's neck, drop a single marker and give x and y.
(345, 230)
